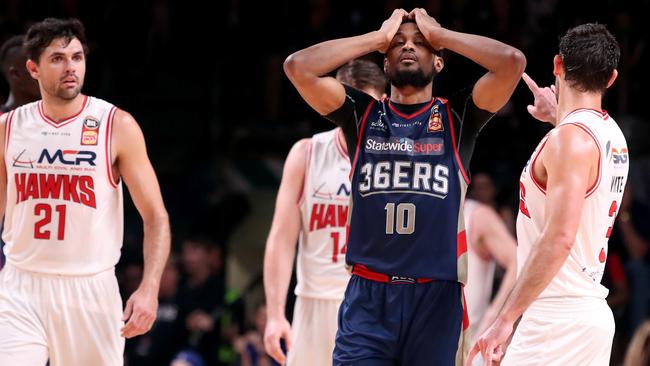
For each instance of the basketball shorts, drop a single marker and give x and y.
(314, 331)
(563, 332)
(397, 323)
(70, 320)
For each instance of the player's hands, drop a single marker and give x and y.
(492, 343)
(277, 329)
(140, 312)
(428, 26)
(389, 27)
(545, 105)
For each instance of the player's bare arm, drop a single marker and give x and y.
(504, 63)
(281, 249)
(307, 69)
(544, 107)
(3, 168)
(567, 181)
(495, 240)
(131, 163)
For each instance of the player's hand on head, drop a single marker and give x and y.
(427, 25)
(277, 329)
(139, 313)
(544, 108)
(390, 26)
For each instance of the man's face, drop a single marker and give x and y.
(410, 60)
(61, 68)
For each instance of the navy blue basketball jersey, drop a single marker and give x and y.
(408, 188)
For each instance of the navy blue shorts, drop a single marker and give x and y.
(388, 324)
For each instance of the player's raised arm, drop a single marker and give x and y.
(307, 69)
(281, 249)
(134, 167)
(504, 63)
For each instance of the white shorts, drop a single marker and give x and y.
(563, 332)
(70, 320)
(314, 332)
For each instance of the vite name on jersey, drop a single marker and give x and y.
(73, 188)
(325, 215)
(417, 177)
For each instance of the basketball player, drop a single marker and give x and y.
(488, 242)
(63, 162)
(312, 205)
(23, 88)
(570, 192)
(403, 304)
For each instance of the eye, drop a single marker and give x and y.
(77, 57)
(57, 59)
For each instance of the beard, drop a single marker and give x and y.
(415, 78)
(68, 94)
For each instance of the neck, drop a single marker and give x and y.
(572, 99)
(59, 109)
(410, 95)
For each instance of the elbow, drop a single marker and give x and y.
(563, 242)
(291, 65)
(516, 61)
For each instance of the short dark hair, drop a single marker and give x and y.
(590, 54)
(41, 34)
(8, 48)
(362, 74)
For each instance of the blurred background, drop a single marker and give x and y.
(205, 82)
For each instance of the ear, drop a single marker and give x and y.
(385, 65)
(32, 68)
(612, 78)
(558, 66)
(438, 63)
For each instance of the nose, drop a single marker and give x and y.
(408, 45)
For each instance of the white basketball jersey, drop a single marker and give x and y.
(480, 273)
(581, 273)
(64, 210)
(324, 208)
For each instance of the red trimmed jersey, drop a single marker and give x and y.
(64, 210)
(320, 265)
(408, 187)
(583, 269)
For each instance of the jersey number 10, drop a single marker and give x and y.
(400, 219)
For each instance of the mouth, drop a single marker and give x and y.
(69, 82)
(408, 58)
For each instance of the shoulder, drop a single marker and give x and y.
(571, 139)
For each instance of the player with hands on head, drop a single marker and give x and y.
(406, 245)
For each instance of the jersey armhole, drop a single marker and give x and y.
(301, 200)
(463, 171)
(10, 117)
(587, 130)
(108, 147)
(360, 137)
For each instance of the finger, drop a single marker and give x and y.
(272, 345)
(472, 353)
(531, 109)
(532, 85)
(127, 330)
(487, 357)
(128, 310)
(288, 340)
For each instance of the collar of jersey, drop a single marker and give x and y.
(415, 114)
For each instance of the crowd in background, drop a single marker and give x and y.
(208, 89)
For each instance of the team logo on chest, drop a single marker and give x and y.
(90, 131)
(435, 120)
